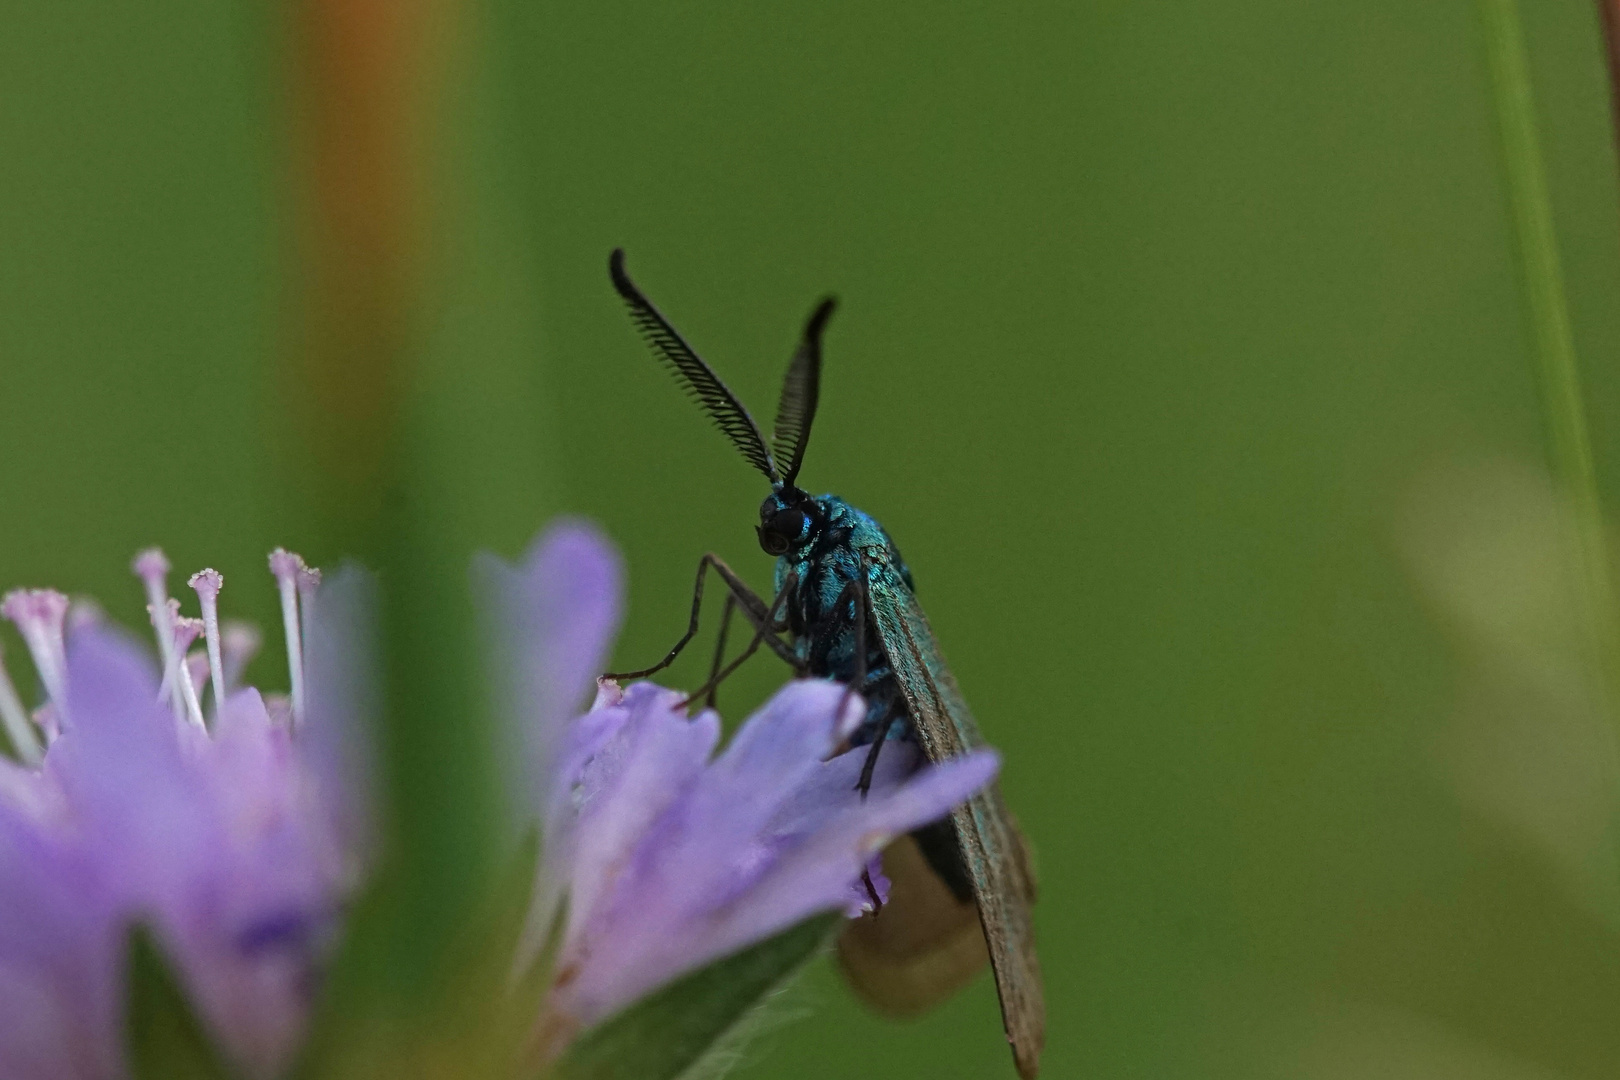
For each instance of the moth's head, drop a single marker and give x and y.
(788, 520)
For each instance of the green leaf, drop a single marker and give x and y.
(163, 1037)
(664, 1035)
(476, 1025)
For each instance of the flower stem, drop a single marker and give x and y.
(1557, 374)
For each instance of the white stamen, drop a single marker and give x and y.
(238, 644)
(18, 726)
(207, 583)
(168, 692)
(286, 566)
(153, 568)
(38, 614)
(185, 632)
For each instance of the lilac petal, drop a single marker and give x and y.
(794, 729)
(30, 791)
(815, 877)
(654, 758)
(249, 760)
(122, 769)
(278, 822)
(772, 757)
(242, 716)
(255, 926)
(766, 836)
(57, 950)
(581, 742)
(208, 840)
(555, 614)
(831, 785)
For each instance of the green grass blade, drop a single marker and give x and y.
(663, 1036)
(1557, 373)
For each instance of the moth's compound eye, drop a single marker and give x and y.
(790, 523)
(772, 541)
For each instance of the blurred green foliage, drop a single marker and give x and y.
(1152, 317)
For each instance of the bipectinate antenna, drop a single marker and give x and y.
(696, 377)
(797, 409)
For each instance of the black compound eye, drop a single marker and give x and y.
(772, 541)
(790, 523)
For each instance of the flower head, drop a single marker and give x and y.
(670, 855)
(139, 810)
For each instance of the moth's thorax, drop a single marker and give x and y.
(821, 609)
(830, 545)
(831, 554)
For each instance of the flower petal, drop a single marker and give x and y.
(817, 874)
(57, 948)
(123, 771)
(554, 617)
(654, 758)
(765, 836)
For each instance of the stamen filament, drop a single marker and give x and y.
(286, 566)
(18, 727)
(207, 584)
(152, 567)
(187, 631)
(38, 614)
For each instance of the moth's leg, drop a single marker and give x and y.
(871, 892)
(761, 617)
(863, 610)
(855, 592)
(720, 650)
(754, 610)
(864, 784)
(762, 633)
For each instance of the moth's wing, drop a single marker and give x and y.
(993, 850)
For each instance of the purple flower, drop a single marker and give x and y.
(216, 830)
(671, 856)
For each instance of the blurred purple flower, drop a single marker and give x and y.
(671, 857)
(217, 832)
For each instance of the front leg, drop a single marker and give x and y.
(762, 632)
(755, 610)
(720, 651)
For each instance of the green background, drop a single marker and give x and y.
(1152, 316)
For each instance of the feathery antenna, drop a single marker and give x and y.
(796, 410)
(696, 377)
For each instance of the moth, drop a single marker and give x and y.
(846, 602)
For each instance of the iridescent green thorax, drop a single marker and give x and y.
(833, 544)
